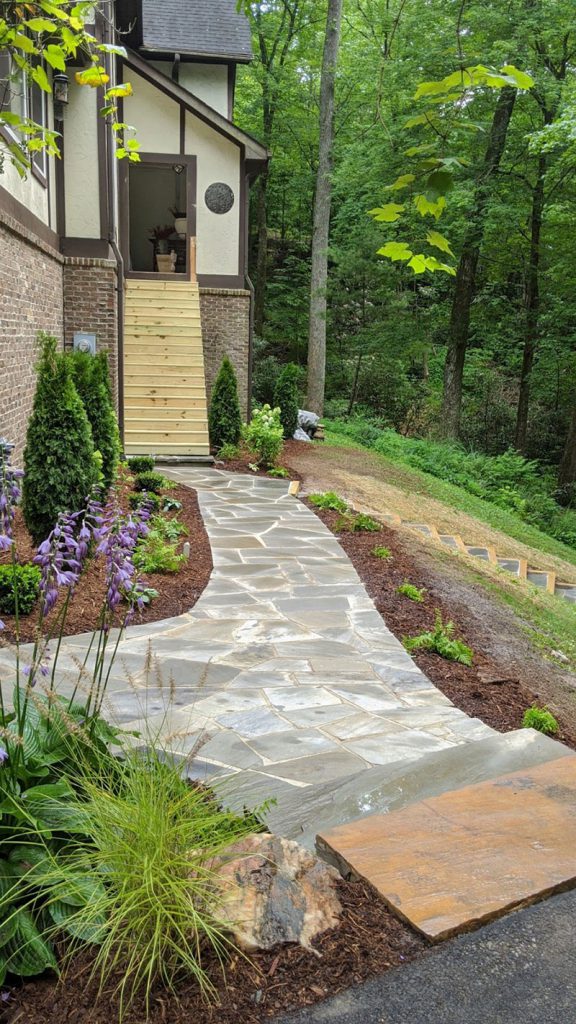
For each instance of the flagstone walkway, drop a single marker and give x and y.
(283, 677)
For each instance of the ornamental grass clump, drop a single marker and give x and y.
(540, 719)
(224, 418)
(264, 436)
(59, 464)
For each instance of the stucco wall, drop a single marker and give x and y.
(81, 162)
(30, 301)
(209, 82)
(154, 115)
(218, 234)
(27, 190)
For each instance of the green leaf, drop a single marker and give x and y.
(438, 183)
(522, 80)
(41, 78)
(120, 51)
(433, 264)
(40, 25)
(55, 57)
(395, 251)
(8, 117)
(418, 263)
(438, 240)
(24, 43)
(413, 122)
(8, 925)
(401, 182)
(70, 919)
(426, 147)
(387, 213)
(27, 953)
(425, 206)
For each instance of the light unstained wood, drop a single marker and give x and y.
(149, 346)
(141, 309)
(189, 413)
(156, 438)
(167, 449)
(175, 363)
(165, 395)
(148, 284)
(176, 427)
(135, 378)
(150, 331)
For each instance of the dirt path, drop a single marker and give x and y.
(454, 583)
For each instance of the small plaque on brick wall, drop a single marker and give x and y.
(219, 197)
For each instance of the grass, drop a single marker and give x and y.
(420, 484)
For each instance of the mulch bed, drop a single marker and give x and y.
(177, 592)
(244, 460)
(369, 941)
(483, 691)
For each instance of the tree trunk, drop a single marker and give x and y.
(567, 470)
(532, 306)
(321, 224)
(465, 285)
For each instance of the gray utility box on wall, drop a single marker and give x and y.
(85, 342)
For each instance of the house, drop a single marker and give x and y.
(79, 256)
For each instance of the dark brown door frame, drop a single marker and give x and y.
(189, 162)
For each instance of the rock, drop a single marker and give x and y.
(300, 435)
(275, 891)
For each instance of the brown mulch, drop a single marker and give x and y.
(368, 941)
(177, 592)
(245, 459)
(487, 690)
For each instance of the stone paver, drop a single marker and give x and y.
(467, 856)
(283, 671)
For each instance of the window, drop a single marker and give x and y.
(25, 99)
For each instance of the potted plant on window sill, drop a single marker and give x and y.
(180, 220)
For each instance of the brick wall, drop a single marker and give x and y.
(30, 301)
(226, 331)
(91, 304)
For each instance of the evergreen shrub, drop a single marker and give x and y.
(91, 378)
(20, 582)
(59, 466)
(224, 419)
(286, 398)
(141, 464)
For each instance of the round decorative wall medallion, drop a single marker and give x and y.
(219, 197)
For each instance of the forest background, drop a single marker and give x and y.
(482, 361)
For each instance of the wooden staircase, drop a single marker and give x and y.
(165, 409)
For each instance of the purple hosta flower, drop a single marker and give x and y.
(2, 624)
(3, 755)
(9, 497)
(60, 559)
(118, 545)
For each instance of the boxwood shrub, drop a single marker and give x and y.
(22, 581)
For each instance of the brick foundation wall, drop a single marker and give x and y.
(91, 304)
(30, 301)
(226, 331)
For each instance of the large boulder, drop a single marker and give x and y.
(274, 891)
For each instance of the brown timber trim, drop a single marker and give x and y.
(242, 225)
(224, 282)
(89, 248)
(60, 185)
(182, 130)
(27, 220)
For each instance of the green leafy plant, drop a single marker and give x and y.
(409, 590)
(90, 375)
(441, 640)
(280, 472)
(59, 465)
(141, 464)
(19, 588)
(153, 502)
(224, 417)
(154, 483)
(169, 529)
(228, 452)
(286, 398)
(328, 501)
(155, 554)
(356, 523)
(381, 552)
(171, 504)
(540, 719)
(264, 436)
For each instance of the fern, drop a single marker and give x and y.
(441, 640)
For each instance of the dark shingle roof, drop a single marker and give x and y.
(200, 28)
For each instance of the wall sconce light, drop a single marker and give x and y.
(177, 168)
(60, 93)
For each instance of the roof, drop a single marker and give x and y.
(196, 28)
(255, 153)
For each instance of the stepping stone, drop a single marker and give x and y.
(465, 857)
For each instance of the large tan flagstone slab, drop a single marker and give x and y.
(452, 862)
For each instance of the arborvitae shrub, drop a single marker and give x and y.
(92, 382)
(59, 466)
(286, 397)
(225, 421)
